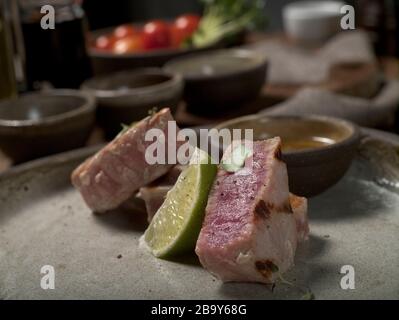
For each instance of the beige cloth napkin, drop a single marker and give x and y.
(375, 112)
(290, 64)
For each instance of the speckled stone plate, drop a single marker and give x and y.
(43, 221)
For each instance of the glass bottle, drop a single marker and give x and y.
(58, 55)
(8, 87)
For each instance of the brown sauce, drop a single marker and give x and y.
(305, 143)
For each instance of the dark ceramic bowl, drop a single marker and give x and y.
(318, 150)
(39, 124)
(128, 96)
(220, 81)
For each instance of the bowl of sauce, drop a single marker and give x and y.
(318, 150)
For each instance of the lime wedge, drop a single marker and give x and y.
(177, 223)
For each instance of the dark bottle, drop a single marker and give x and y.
(378, 19)
(8, 87)
(396, 9)
(58, 55)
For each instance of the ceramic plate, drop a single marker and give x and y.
(43, 221)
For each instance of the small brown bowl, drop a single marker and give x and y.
(44, 123)
(219, 81)
(318, 150)
(128, 96)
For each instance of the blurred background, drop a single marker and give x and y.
(208, 60)
(135, 10)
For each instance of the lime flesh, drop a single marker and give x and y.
(176, 225)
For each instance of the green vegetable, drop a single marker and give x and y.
(274, 268)
(308, 296)
(125, 127)
(225, 18)
(152, 111)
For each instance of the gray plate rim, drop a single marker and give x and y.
(87, 151)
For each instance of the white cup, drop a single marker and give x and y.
(312, 22)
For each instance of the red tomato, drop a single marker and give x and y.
(156, 35)
(124, 31)
(130, 44)
(183, 27)
(188, 22)
(104, 42)
(176, 36)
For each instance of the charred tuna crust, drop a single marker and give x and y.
(278, 154)
(265, 267)
(300, 208)
(262, 210)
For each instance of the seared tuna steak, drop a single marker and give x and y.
(249, 232)
(117, 171)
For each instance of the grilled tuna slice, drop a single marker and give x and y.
(118, 170)
(299, 206)
(249, 232)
